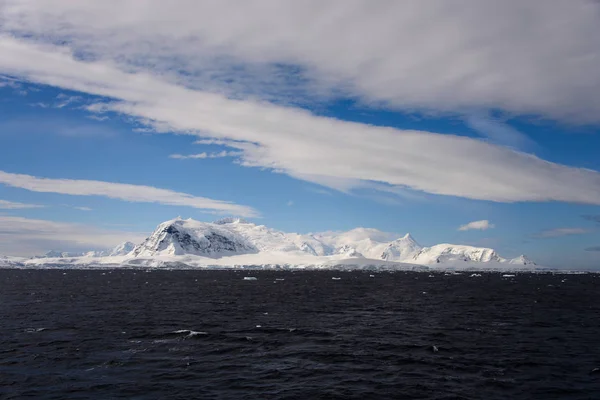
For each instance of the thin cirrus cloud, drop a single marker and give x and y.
(499, 132)
(121, 191)
(12, 205)
(26, 237)
(537, 57)
(83, 208)
(333, 153)
(204, 155)
(60, 127)
(481, 225)
(558, 232)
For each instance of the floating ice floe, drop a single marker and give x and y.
(189, 333)
(250, 278)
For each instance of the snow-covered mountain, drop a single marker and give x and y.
(443, 253)
(229, 237)
(121, 250)
(60, 254)
(234, 241)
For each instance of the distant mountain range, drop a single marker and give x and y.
(233, 241)
(121, 250)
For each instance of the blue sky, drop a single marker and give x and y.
(107, 129)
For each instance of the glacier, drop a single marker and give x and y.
(237, 243)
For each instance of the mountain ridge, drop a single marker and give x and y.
(234, 241)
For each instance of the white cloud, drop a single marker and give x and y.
(534, 57)
(27, 237)
(122, 191)
(557, 232)
(83, 208)
(338, 154)
(290, 203)
(481, 225)
(11, 205)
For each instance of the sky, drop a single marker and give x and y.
(468, 122)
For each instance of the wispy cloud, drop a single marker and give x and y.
(26, 237)
(9, 82)
(40, 105)
(63, 100)
(481, 225)
(121, 191)
(98, 117)
(290, 203)
(57, 126)
(319, 190)
(499, 132)
(558, 232)
(593, 248)
(11, 205)
(206, 155)
(326, 151)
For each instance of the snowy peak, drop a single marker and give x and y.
(122, 250)
(348, 251)
(408, 237)
(179, 237)
(521, 260)
(401, 249)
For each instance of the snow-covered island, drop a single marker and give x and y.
(235, 243)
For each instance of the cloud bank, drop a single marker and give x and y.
(122, 191)
(330, 152)
(535, 57)
(27, 237)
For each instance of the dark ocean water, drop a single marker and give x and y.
(297, 335)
